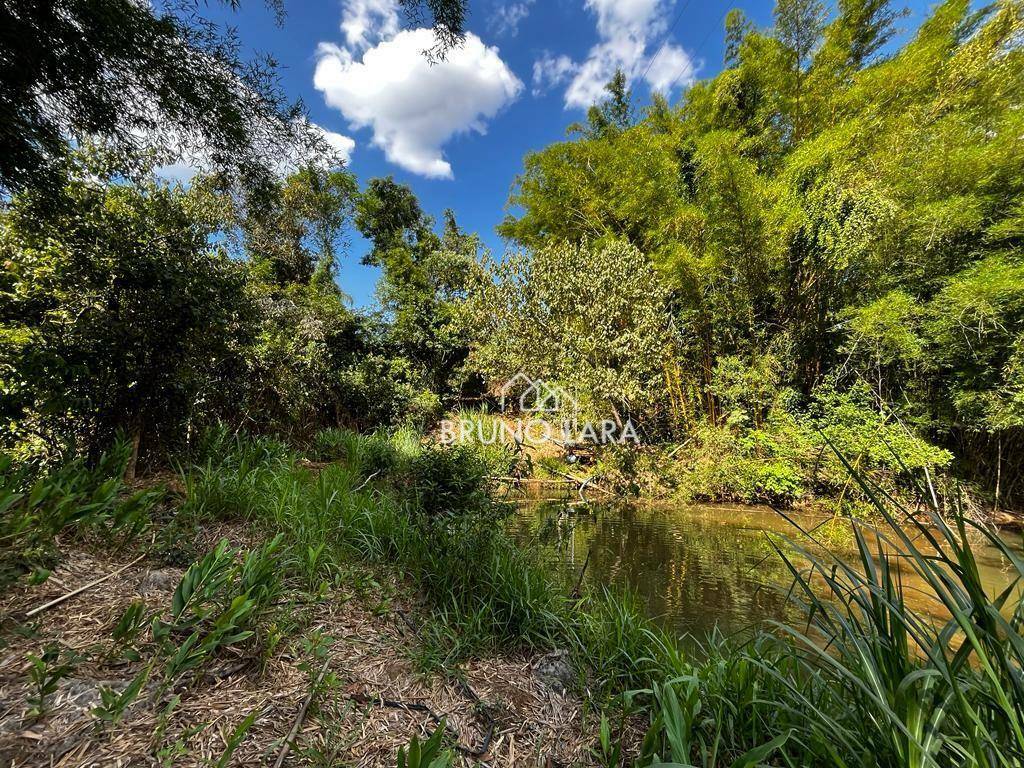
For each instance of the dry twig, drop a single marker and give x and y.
(286, 747)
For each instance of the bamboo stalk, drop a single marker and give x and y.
(63, 598)
(286, 748)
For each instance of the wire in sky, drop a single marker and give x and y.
(689, 65)
(675, 21)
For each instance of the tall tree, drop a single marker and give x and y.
(614, 113)
(297, 229)
(137, 75)
(425, 282)
(798, 26)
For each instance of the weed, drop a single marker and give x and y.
(428, 754)
(113, 703)
(78, 498)
(217, 603)
(127, 629)
(608, 752)
(233, 741)
(46, 672)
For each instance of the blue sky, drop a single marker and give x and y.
(457, 132)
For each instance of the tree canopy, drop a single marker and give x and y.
(854, 207)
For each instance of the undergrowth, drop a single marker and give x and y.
(869, 682)
(866, 681)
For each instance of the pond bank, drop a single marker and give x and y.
(394, 545)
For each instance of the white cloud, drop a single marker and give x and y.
(343, 145)
(626, 30)
(673, 66)
(414, 107)
(507, 17)
(367, 22)
(550, 71)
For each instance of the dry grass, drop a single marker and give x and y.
(354, 719)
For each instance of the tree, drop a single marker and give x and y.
(798, 26)
(448, 19)
(851, 215)
(737, 27)
(116, 314)
(862, 28)
(135, 76)
(296, 230)
(614, 113)
(389, 215)
(424, 285)
(592, 318)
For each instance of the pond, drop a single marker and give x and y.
(698, 567)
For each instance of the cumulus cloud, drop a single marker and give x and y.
(671, 67)
(412, 107)
(550, 71)
(628, 31)
(343, 145)
(507, 17)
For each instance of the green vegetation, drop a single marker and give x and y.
(161, 79)
(802, 282)
(819, 245)
(822, 217)
(868, 681)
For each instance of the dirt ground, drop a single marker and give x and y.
(372, 700)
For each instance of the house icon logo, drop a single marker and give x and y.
(534, 396)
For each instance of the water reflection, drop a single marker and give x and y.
(693, 567)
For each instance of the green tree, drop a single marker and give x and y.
(592, 318)
(135, 75)
(614, 113)
(853, 214)
(116, 314)
(299, 226)
(424, 285)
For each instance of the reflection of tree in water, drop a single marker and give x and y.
(696, 567)
(692, 571)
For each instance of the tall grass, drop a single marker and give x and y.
(864, 681)
(390, 501)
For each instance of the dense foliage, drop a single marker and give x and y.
(818, 247)
(152, 310)
(847, 211)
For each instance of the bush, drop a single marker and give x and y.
(364, 454)
(118, 314)
(450, 482)
(787, 454)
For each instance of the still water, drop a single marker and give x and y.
(697, 567)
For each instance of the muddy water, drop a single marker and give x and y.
(698, 567)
